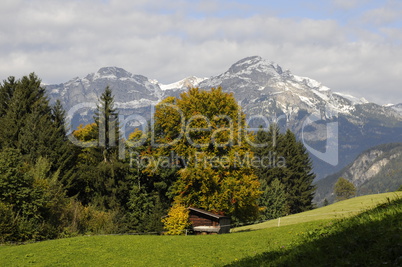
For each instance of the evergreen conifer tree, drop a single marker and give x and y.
(6, 93)
(107, 125)
(299, 176)
(27, 97)
(289, 163)
(269, 150)
(273, 200)
(102, 179)
(31, 125)
(61, 147)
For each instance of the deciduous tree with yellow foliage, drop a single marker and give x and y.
(206, 131)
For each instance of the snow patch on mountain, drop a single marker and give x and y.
(182, 84)
(306, 100)
(352, 99)
(397, 107)
(309, 82)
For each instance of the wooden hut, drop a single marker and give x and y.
(205, 222)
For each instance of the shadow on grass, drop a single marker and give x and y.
(373, 238)
(243, 231)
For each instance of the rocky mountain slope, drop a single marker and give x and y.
(129, 90)
(335, 127)
(376, 170)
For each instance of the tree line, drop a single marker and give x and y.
(52, 188)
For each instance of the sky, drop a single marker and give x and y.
(351, 46)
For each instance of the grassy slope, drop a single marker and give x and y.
(372, 238)
(245, 247)
(337, 210)
(153, 250)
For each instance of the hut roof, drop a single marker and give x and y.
(207, 213)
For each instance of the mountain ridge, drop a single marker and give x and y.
(376, 170)
(262, 88)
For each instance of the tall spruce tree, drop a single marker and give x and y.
(286, 160)
(102, 179)
(31, 125)
(107, 125)
(269, 149)
(300, 177)
(61, 148)
(271, 172)
(26, 97)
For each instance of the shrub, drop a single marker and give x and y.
(87, 220)
(6, 225)
(177, 220)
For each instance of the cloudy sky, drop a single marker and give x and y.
(351, 46)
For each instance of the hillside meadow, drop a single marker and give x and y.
(312, 237)
(338, 210)
(131, 250)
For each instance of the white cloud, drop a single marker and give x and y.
(383, 15)
(163, 40)
(348, 4)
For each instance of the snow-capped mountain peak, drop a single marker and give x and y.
(257, 82)
(111, 73)
(185, 83)
(262, 87)
(254, 64)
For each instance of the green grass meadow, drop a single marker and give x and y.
(313, 238)
(338, 210)
(131, 250)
